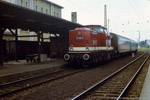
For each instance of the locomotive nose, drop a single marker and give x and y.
(66, 57)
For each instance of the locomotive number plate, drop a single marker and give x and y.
(80, 38)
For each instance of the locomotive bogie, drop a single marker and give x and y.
(87, 58)
(77, 58)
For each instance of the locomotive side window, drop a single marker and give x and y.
(106, 32)
(99, 29)
(79, 38)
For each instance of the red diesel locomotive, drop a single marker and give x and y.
(93, 44)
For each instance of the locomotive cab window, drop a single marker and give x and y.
(99, 29)
(106, 32)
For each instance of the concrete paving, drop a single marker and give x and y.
(145, 94)
(22, 66)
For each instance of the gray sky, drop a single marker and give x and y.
(127, 17)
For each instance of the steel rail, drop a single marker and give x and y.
(37, 84)
(102, 81)
(119, 97)
(26, 79)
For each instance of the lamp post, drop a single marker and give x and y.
(138, 31)
(122, 28)
(108, 25)
(139, 39)
(139, 36)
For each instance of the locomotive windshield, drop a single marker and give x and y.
(99, 29)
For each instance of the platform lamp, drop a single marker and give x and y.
(139, 36)
(139, 39)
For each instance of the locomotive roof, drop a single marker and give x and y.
(95, 25)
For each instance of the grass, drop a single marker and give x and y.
(144, 49)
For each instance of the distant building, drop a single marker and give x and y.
(147, 43)
(43, 6)
(74, 17)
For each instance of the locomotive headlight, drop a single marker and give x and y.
(66, 57)
(86, 57)
(87, 47)
(71, 48)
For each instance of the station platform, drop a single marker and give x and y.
(145, 94)
(12, 67)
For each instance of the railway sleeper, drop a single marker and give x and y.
(114, 92)
(130, 98)
(102, 98)
(106, 94)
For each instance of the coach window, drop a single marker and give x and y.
(99, 29)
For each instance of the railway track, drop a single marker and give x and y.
(23, 84)
(116, 84)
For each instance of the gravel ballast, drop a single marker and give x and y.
(69, 87)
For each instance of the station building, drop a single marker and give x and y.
(41, 6)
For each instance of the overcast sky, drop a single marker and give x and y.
(127, 17)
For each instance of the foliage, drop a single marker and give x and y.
(142, 44)
(144, 49)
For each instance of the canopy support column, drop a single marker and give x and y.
(16, 44)
(39, 46)
(2, 30)
(42, 40)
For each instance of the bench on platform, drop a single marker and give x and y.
(32, 57)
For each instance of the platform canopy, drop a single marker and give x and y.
(13, 16)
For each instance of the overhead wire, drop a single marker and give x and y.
(145, 21)
(71, 2)
(140, 16)
(136, 13)
(86, 10)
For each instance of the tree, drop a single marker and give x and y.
(142, 44)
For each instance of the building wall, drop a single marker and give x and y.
(74, 17)
(8, 37)
(42, 6)
(57, 12)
